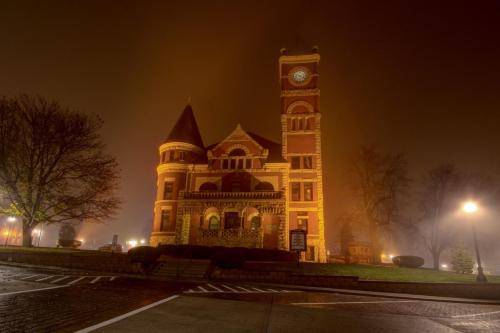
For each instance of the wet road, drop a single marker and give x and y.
(34, 300)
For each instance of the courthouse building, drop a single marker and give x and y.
(247, 190)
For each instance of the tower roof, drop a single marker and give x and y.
(186, 129)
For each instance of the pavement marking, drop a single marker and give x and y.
(360, 302)
(60, 279)
(29, 277)
(223, 288)
(214, 287)
(95, 280)
(243, 289)
(126, 315)
(76, 280)
(112, 278)
(233, 290)
(475, 314)
(31, 290)
(46, 278)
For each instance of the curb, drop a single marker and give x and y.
(383, 294)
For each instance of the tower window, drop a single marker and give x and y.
(307, 162)
(295, 187)
(308, 191)
(163, 157)
(302, 220)
(240, 164)
(165, 224)
(295, 162)
(248, 164)
(225, 164)
(233, 164)
(168, 191)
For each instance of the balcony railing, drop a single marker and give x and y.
(231, 237)
(233, 195)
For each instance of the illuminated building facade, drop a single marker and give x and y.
(247, 190)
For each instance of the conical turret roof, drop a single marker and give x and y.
(186, 129)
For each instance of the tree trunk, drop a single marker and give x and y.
(27, 238)
(435, 258)
(375, 243)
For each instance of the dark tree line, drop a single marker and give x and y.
(53, 165)
(386, 199)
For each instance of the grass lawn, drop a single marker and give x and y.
(392, 273)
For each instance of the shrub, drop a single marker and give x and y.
(408, 261)
(146, 255)
(229, 258)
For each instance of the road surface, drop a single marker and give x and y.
(42, 300)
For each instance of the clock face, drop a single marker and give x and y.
(299, 76)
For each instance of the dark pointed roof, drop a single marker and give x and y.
(185, 129)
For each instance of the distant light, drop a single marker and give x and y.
(470, 207)
(37, 232)
(11, 219)
(143, 241)
(391, 256)
(132, 243)
(444, 266)
(81, 240)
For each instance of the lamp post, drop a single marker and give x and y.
(11, 220)
(470, 208)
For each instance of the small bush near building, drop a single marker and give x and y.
(145, 255)
(408, 261)
(225, 256)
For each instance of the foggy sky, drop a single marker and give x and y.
(420, 78)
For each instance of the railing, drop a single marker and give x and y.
(233, 195)
(231, 237)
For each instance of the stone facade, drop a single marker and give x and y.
(247, 190)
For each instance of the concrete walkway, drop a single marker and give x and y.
(201, 314)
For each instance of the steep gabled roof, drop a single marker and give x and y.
(273, 147)
(186, 129)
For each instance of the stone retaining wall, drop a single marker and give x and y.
(76, 259)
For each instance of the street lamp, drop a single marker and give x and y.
(11, 220)
(470, 208)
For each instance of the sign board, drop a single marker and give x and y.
(298, 240)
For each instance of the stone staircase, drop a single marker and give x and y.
(182, 269)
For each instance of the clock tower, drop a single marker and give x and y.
(301, 147)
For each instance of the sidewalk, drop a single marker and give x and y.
(201, 314)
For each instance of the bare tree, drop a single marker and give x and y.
(53, 167)
(437, 197)
(380, 183)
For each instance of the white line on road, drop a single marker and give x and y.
(29, 277)
(31, 290)
(95, 280)
(76, 280)
(475, 314)
(60, 279)
(364, 302)
(244, 289)
(214, 287)
(259, 290)
(203, 289)
(126, 315)
(46, 278)
(272, 290)
(234, 290)
(112, 278)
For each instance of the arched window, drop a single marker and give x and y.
(264, 186)
(214, 223)
(237, 152)
(255, 223)
(208, 187)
